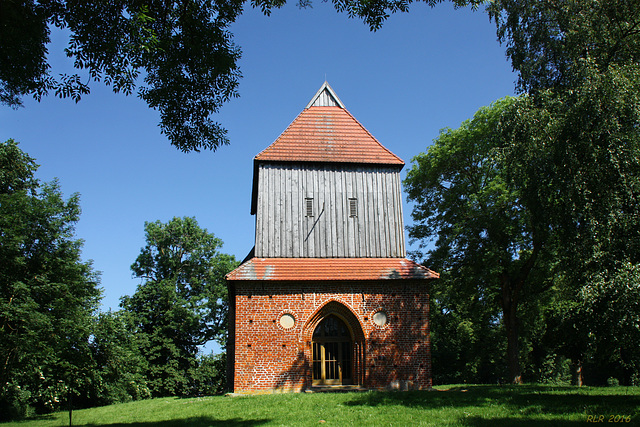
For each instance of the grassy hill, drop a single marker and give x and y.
(528, 405)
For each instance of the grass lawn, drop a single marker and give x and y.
(477, 405)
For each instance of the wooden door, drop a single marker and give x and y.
(332, 352)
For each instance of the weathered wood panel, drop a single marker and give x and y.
(283, 228)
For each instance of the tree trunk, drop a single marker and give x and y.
(70, 397)
(509, 307)
(577, 373)
(513, 356)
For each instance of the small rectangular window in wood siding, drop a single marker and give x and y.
(308, 206)
(353, 207)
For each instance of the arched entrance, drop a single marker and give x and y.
(332, 352)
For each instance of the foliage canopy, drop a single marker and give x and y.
(546, 40)
(181, 49)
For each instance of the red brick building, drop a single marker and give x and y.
(327, 297)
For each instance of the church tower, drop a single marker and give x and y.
(326, 297)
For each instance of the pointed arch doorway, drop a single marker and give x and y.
(333, 352)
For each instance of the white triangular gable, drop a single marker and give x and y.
(325, 97)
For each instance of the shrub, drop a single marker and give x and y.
(209, 377)
(613, 382)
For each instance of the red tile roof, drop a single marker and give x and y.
(327, 134)
(296, 269)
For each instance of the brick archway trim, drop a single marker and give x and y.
(342, 311)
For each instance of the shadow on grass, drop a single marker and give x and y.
(518, 400)
(508, 422)
(192, 421)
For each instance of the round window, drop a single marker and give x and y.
(287, 321)
(380, 318)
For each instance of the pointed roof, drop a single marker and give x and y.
(326, 132)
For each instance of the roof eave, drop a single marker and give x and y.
(247, 272)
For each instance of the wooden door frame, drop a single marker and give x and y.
(340, 358)
(347, 315)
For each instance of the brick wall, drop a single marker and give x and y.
(270, 357)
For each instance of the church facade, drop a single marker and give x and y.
(326, 297)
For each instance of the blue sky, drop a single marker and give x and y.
(423, 71)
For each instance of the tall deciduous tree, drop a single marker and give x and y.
(485, 228)
(574, 145)
(611, 309)
(182, 302)
(47, 293)
(578, 154)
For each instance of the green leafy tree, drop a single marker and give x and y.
(47, 293)
(487, 239)
(595, 326)
(467, 340)
(578, 153)
(182, 302)
(573, 143)
(579, 156)
(210, 375)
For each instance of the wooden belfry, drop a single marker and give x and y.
(327, 297)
